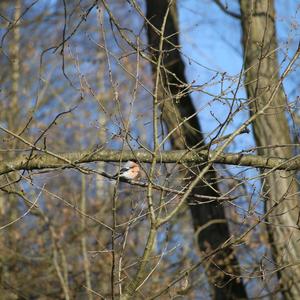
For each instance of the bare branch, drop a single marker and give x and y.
(225, 10)
(72, 159)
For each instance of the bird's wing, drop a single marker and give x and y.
(124, 169)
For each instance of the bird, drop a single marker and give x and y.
(128, 172)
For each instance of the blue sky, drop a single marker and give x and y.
(213, 40)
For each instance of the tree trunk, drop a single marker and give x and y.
(176, 105)
(8, 207)
(261, 76)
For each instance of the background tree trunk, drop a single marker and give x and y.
(176, 105)
(8, 206)
(261, 76)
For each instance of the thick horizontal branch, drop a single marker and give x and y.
(73, 159)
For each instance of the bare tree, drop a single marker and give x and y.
(264, 86)
(171, 91)
(88, 85)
